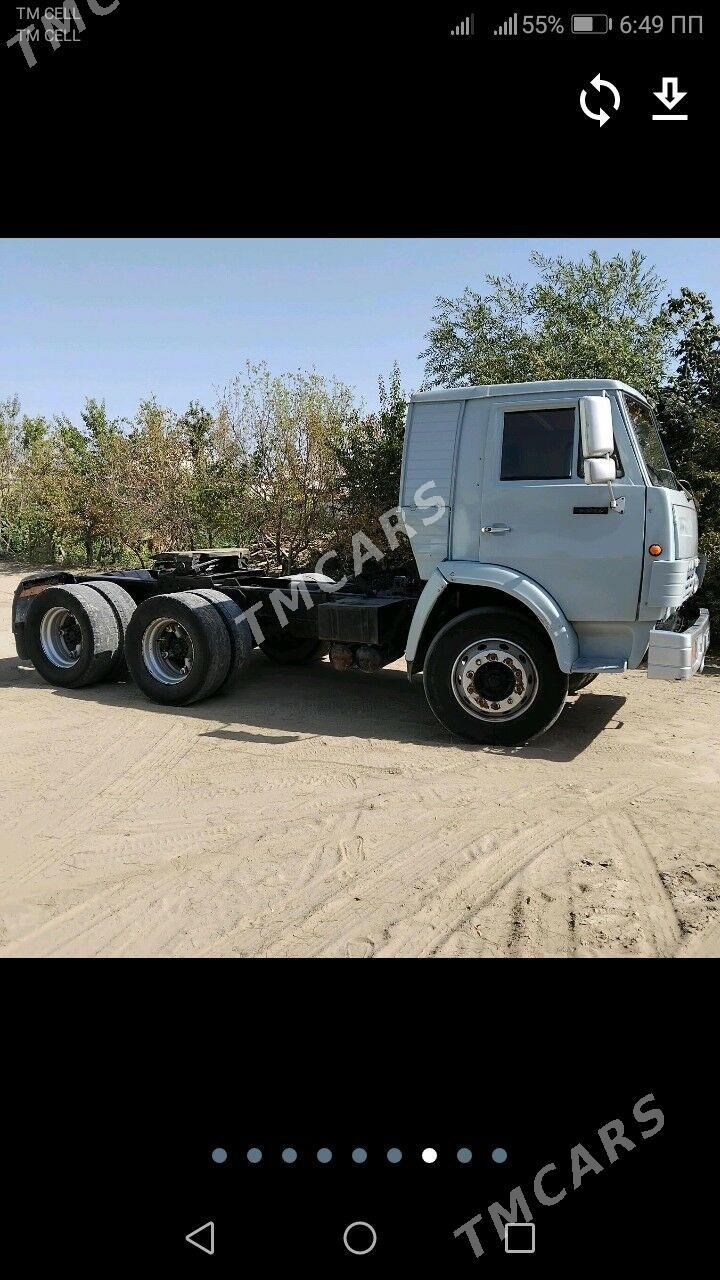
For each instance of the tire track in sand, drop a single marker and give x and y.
(500, 869)
(102, 789)
(652, 900)
(384, 878)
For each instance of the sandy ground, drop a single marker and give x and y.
(324, 814)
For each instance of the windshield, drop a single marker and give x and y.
(651, 446)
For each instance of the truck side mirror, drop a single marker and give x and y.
(598, 443)
(596, 428)
(600, 470)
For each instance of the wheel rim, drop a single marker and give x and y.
(61, 637)
(494, 680)
(168, 651)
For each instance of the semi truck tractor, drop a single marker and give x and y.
(552, 543)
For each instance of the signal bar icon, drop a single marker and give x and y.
(509, 27)
(464, 28)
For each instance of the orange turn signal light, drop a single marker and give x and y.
(655, 549)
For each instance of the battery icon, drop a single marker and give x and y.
(584, 24)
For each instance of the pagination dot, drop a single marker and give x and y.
(289, 1155)
(324, 1155)
(464, 1155)
(499, 1155)
(394, 1155)
(219, 1155)
(359, 1155)
(254, 1155)
(429, 1155)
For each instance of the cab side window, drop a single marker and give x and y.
(538, 444)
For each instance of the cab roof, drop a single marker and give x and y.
(525, 388)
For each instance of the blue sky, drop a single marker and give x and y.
(122, 319)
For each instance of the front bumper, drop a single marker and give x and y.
(678, 655)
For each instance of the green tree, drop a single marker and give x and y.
(689, 412)
(10, 462)
(155, 482)
(584, 319)
(30, 491)
(214, 478)
(370, 456)
(196, 426)
(288, 430)
(89, 467)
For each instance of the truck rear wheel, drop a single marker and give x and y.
(491, 676)
(123, 606)
(238, 629)
(177, 648)
(72, 636)
(294, 650)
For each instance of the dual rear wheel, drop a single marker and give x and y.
(75, 634)
(178, 648)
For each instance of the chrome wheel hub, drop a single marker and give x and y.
(167, 651)
(60, 637)
(494, 679)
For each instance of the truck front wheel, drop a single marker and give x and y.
(491, 676)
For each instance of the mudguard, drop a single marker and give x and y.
(468, 573)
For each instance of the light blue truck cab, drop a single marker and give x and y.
(565, 547)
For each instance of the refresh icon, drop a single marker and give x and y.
(601, 116)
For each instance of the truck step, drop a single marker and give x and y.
(597, 664)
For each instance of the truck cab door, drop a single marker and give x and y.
(539, 517)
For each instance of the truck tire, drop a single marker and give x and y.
(238, 629)
(491, 676)
(123, 606)
(292, 651)
(581, 682)
(177, 648)
(72, 636)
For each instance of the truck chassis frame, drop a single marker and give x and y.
(364, 611)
